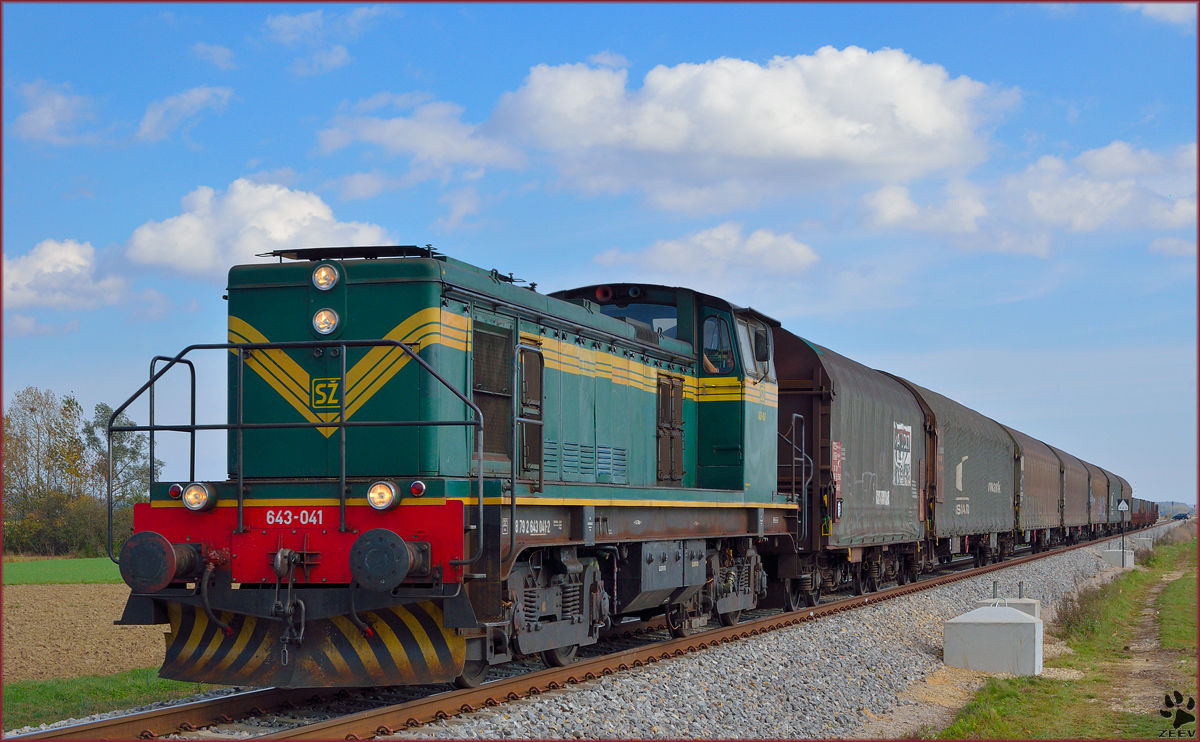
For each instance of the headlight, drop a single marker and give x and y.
(382, 495)
(325, 277)
(325, 321)
(199, 497)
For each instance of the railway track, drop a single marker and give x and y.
(275, 713)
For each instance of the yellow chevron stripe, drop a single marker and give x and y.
(423, 639)
(193, 640)
(214, 643)
(235, 651)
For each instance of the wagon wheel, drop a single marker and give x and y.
(474, 672)
(857, 579)
(793, 595)
(812, 597)
(677, 621)
(560, 656)
(870, 583)
(729, 619)
(902, 573)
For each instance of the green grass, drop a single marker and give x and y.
(33, 702)
(1097, 626)
(1177, 612)
(61, 572)
(1040, 708)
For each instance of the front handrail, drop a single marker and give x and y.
(243, 350)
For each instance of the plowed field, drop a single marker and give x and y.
(66, 631)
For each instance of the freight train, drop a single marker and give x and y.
(434, 469)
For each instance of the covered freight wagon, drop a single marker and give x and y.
(973, 469)
(1114, 498)
(1097, 497)
(867, 444)
(1039, 488)
(1074, 493)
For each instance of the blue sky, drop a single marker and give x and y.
(995, 201)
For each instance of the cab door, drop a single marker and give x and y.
(720, 456)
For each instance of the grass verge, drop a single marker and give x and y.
(1098, 626)
(61, 572)
(34, 702)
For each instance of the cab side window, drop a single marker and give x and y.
(718, 348)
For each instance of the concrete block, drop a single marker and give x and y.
(1025, 605)
(1141, 543)
(994, 639)
(1118, 558)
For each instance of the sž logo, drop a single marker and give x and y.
(1173, 705)
(325, 394)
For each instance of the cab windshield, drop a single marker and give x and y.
(662, 318)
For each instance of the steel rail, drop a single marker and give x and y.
(228, 709)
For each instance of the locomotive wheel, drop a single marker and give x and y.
(474, 673)
(677, 621)
(729, 619)
(560, 656)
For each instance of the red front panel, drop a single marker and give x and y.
(268, 529)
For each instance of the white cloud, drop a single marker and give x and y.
(316, 30)
(609, 59)
(434, 135)
(891, 206)
(296, 29)
(366, 185)
(322, 60)
(713, 136)
(463, 202)
(1174, 246)
(164, 116)
(217, 230)
(314, 27)
(54, 114)
(721, 260)
(217, 55)
(385, 99)
(20, 325)
(1183, 14)
(60, 275)
(1111, 186)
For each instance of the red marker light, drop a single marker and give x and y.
(417, 488)
(176, 491)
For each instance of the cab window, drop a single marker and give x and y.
(717, 357)
(754, 338)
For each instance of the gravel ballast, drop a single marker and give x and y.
(810, 680)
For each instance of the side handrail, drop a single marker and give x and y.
(806, 466)
(242, 351)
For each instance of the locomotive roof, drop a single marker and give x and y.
(620, 288)
(366, 252)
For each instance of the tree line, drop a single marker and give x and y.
(56, 476)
